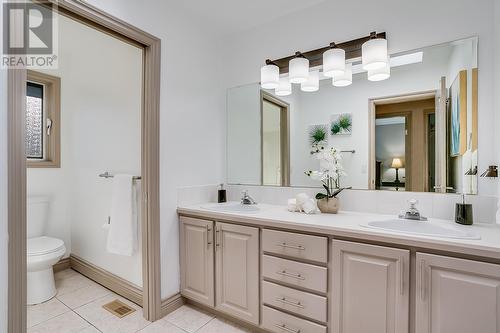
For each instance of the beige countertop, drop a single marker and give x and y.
(352, 225)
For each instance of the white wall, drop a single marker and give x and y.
(243, 132)
(192, 119)
(496, 28)
(409, 25)
(100, 131)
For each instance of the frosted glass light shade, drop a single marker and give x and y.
(380, 74)
(299, 70)
(312, 83)
(333, 62)
(269, 76)
(374, 54)
(284, 88)
(345, 79)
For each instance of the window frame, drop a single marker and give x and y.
(51, 110)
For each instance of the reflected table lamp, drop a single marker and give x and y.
(397, 164)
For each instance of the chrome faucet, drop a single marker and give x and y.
(246, 199)
(412, 213)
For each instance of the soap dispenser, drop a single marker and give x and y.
(221, 197)
(463, 212)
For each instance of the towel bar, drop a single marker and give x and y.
(109, 175)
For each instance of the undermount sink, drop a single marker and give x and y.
(422, 228)
(232, 207)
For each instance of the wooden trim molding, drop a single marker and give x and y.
(171, 304)
(87, 14)
(17, 260)
(113, 282)
(62, 265)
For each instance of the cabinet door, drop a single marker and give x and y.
(237, 271)
(197, 259)
(456, 295)
(370, 288)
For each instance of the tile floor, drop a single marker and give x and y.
(78, 308)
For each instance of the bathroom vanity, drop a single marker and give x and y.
(289, 272)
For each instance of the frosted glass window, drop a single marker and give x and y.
(34, 121)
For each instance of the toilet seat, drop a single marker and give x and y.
(39, 246)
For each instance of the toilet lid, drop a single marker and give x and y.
(43, 245)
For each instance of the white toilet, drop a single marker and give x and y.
(43, 252)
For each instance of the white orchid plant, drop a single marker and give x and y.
(330, 171)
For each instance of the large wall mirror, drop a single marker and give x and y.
(416, 131)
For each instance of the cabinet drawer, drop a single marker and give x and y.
(279, 322)
(295, 245)
(295, 273)
(292, 300)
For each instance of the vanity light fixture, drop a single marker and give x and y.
(284, 88)
(380, 74)
(491, 172)
(333, 61)
(367, 53)
(374, 53)
(298, 68)
(345, 79)
(312, 83)
(269, 75)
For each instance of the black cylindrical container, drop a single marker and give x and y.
(221, 196)
(463, 213)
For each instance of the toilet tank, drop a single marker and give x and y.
(37, 215)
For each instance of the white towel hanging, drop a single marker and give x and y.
(122, 235)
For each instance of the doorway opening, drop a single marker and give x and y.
(404, 138)
(275, 141)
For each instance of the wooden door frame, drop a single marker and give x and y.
(16, 86)
(284, 136)
(372, 103)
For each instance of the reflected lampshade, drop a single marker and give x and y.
(374, 54)
(382, 73)
(312, 83)
(269, 76)
(333, 62)
(396, 163)
(345, 79)
(299, 70)
(284, 88)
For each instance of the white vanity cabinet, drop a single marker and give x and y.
(220, 266)
(237, 271)
(197, 259)
(370, 288)
(456, 295)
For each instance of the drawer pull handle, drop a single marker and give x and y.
(209, 239)
(295, 247)
(288, 302)
(286, 329)
(295, 276)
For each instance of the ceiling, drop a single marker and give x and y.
(230, 16)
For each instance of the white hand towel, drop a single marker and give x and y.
(122, 234)
(292, 205)
(310, 207)
(301, 199)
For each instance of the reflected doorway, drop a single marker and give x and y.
(405, 141)
(275, 141)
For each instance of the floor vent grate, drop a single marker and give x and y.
(118, 308)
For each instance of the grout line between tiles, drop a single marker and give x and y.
(205, 324)
(90, 324)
